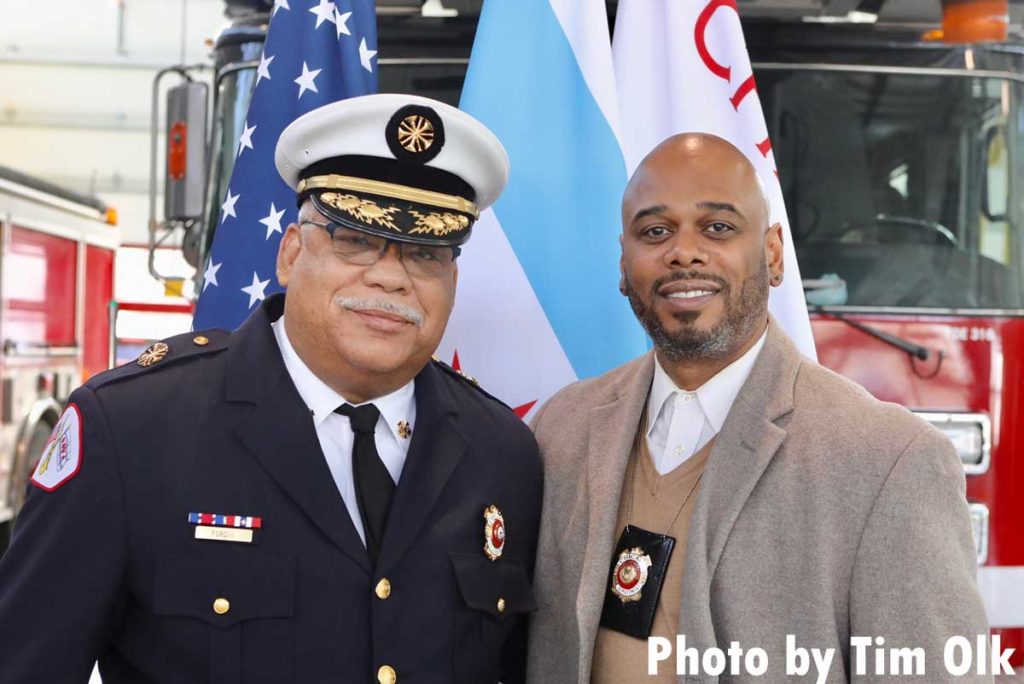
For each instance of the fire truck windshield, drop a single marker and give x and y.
(897, 185)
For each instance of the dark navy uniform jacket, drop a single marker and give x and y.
(107, 567)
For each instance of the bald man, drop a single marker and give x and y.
(722, 509)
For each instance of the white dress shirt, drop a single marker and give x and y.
(681, 423)
(335, 431)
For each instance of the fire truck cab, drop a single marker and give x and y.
(56, 285)
(899, 158)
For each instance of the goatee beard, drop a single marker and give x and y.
(740, 319)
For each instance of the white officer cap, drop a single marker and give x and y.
(405, 167)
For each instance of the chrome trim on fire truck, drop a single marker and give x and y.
(52, 201)
(15, 350)
(879, 69)
(80, 300)
(980, 511)
(96, 236)
(20, 474)
(5, 235)
(982, 419)
(919, 311)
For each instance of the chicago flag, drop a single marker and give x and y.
(538, 304)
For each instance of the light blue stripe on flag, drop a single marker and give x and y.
(561, 209)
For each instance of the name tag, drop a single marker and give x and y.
(229, 534)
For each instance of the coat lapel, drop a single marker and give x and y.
(612, 430)
(279, 430)
(746, 445)
(436, 449)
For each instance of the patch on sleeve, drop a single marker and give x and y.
(62, 457)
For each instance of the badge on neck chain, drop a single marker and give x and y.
(639, 565)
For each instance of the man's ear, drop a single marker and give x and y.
(774, 252)
(288, 252)
(622, 268)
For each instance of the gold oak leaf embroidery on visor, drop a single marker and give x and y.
(438, 224)
(365, 210)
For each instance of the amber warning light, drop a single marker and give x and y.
(972, 21)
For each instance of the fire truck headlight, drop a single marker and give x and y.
(971, 435)
(979, 527)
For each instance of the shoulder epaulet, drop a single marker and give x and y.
(165, 354)
(466, 379)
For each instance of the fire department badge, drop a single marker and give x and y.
(62, 456)
(630, 574)
(494, 532)
(404, 429)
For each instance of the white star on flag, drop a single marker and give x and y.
(255, 291)
(310, 56)
(245, 142)
(229, 206)
(365, 55)
(210, 277)
(341, 23)
(272, 221)
(263, 70)
(307, 80)
(325, 11)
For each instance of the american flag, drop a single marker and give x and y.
(316, 52)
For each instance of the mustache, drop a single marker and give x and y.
(688, 275)
(410, 314)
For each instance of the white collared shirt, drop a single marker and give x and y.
(335, 431)
(681, 423)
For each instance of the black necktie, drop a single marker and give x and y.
(374, 486)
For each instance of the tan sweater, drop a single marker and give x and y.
(621, 659)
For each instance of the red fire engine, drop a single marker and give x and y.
(56, 286)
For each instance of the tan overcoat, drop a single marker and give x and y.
(823, 513)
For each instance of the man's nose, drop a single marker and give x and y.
(685, 250)
(388, 272)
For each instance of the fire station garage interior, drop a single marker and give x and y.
(896, 130)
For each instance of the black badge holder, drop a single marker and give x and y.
(635, 616)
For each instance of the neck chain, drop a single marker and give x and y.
(635, 464)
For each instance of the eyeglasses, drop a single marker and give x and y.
(362, 249)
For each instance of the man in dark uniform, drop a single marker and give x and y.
(226, 508)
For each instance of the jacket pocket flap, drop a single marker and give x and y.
(484, 583)
(224, 591)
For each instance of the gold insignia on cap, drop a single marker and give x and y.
(416, 133)
(154, 354)
(364, 210)
(200, 340)
(392, 190)
(404, 429)
(438, 224)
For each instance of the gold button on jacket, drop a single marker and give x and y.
(221, 606)
(386, 675)
(383, 589)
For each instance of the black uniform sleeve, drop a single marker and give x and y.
(60, 578)
(513, 656)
